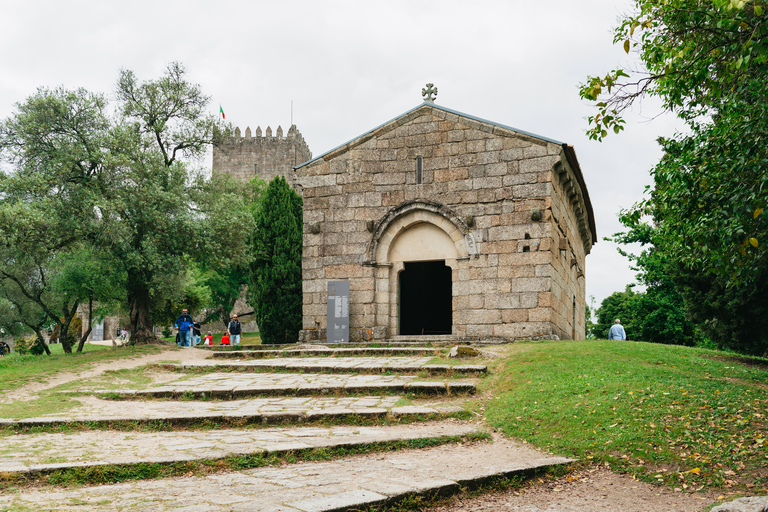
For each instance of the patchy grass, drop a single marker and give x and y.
(683, 417)
(114, 473)
(19, 372)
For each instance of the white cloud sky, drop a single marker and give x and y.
(349, 66)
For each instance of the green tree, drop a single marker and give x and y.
(120, 188)
(274, 290)
(660, 311)
(619, 305)
(56, 144)
(152, 215)
(227, 284)
(707, 61)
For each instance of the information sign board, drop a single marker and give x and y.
(338, 312)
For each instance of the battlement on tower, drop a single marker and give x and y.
(249, 155)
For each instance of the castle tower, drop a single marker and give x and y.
(265, 156)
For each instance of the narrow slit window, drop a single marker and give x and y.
(419, 170)
(255, 168)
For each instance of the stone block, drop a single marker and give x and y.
(540, 314)
(489, 182)
(496, 169)
(479, 330)
(475, 146)
(511, 154)
(482, 316)
(533, 190)
(461, 388)
(528, 300)
(509, 316)
(533, 151)
(389, 178)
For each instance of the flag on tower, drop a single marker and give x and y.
(222, 112)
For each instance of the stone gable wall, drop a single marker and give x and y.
(518, 285)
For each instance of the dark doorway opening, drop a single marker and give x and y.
(426, 300)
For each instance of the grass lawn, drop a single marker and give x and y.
(684, 417)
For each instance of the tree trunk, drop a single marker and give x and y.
(141, 324)
(39, 337)
(90, 326)
(64, 337)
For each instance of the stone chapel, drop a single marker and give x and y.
(445, 225)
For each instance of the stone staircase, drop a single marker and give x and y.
(309, 429)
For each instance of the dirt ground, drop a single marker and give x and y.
(590, 490)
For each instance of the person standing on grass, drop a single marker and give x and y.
(184, 325)
(617, 332)
(234, 330)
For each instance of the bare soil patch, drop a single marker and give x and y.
(588, 490)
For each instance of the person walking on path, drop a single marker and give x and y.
(184, 325)
(234, 330)
(617, 332)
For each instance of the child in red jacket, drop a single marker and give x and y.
(225, 339)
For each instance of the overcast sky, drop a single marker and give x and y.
(349, 66)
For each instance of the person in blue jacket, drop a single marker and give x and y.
(184, 325)
(617, 332)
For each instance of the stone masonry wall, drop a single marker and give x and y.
(522, 282)
(266, 156)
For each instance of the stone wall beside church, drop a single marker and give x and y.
(245, 156)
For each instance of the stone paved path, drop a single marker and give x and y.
(352, 390)
(34, 452)
(355, 351)
(336, 364)
(233, 385)
(347, 484)
(255, 410)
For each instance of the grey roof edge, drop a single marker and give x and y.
(570, 155)
(439, 107)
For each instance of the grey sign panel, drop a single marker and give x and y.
(97, 333)
(338, 312)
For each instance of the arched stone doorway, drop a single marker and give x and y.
(416, 250)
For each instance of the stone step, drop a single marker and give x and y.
(231, 386)
(396, 342)
(377, 479)
(98, 413)
(28, 453)
(370, 365)
(305, 352)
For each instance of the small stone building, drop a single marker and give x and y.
(446, 224)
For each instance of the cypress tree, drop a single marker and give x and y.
(275, 284)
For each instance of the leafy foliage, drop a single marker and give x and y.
(100, 204)
(695, 56)
(275, 286)
(707, 62)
